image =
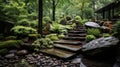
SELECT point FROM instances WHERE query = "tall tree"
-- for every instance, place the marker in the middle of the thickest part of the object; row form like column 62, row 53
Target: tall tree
column 54, row 4
column 40, row 16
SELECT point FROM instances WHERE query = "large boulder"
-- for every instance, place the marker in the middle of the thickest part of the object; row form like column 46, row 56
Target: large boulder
column 92, row 24
column 100, row 46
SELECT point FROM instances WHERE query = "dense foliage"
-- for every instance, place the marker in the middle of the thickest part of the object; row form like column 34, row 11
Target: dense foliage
column 42, row 43
column 93, row 31
column 22, row 30
column 90, row 37
column 116, row 29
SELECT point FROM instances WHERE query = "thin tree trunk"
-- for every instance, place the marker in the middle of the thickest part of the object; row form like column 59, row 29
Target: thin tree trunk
column 54, row 8
column 40, row 15
column 83, row 4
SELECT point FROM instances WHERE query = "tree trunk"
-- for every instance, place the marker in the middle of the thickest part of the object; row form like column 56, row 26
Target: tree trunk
column 54, row 8
column 40, row 15
column 82, row 10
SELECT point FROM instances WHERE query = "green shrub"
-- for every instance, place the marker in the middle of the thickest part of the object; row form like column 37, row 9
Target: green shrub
column 90, row 37
column 10, row 38
column 22, row 30
column 34, row 36
column 34, row 24
column 10, row 44
column 43, row 43
column 3, row 51
column 32, row 16
column 52, row 37
column 77, row 18
column 61, row 36
column 106, row 35
column 24, row 22
column 93, row 31
column 46, row 19
column 58, row 28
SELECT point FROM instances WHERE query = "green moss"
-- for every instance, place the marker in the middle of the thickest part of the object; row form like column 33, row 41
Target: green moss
column 3, row 51
column 10, row 44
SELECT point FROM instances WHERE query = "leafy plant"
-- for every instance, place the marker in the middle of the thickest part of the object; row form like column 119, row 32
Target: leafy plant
column 61, row 36
column 90, row 37
column 53, row 37
column 46, row 19
column 58, row 28
column 106, row 35
column 34, row 36
column 22, row 30
column 43, row 43
column 34, row 24
column 93, row 31
column 116, row 29
column 24, row 22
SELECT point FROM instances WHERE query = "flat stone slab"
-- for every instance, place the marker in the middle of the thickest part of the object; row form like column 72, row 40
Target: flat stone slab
column 76, row 32
column 58, row 53
column 82, row 29
column 68, row 42
column 68, row 47
column 77, row 35
column 74, row 38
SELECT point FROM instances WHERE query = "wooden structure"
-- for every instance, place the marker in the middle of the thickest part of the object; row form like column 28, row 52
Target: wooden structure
column 110, row 11
column 5, row 27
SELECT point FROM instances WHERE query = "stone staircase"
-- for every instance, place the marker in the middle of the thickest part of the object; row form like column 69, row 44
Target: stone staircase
column 68, row 46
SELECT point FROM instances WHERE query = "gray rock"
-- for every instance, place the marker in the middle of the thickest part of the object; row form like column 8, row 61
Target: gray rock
column 92, row 24
column 76, row 60
column 22, row 52
column 12, row 51
column 10, row 56
column 99, row 43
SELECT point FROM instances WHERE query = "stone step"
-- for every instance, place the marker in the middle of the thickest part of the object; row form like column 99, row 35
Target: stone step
column 69, row 47
column 76, row 32
column 68, row 42
column 58, row 53
column 76, row 35
column 75, row 38
column 81, row 29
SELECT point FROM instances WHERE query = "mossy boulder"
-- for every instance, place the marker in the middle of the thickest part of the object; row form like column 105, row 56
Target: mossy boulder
column 10, row 44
